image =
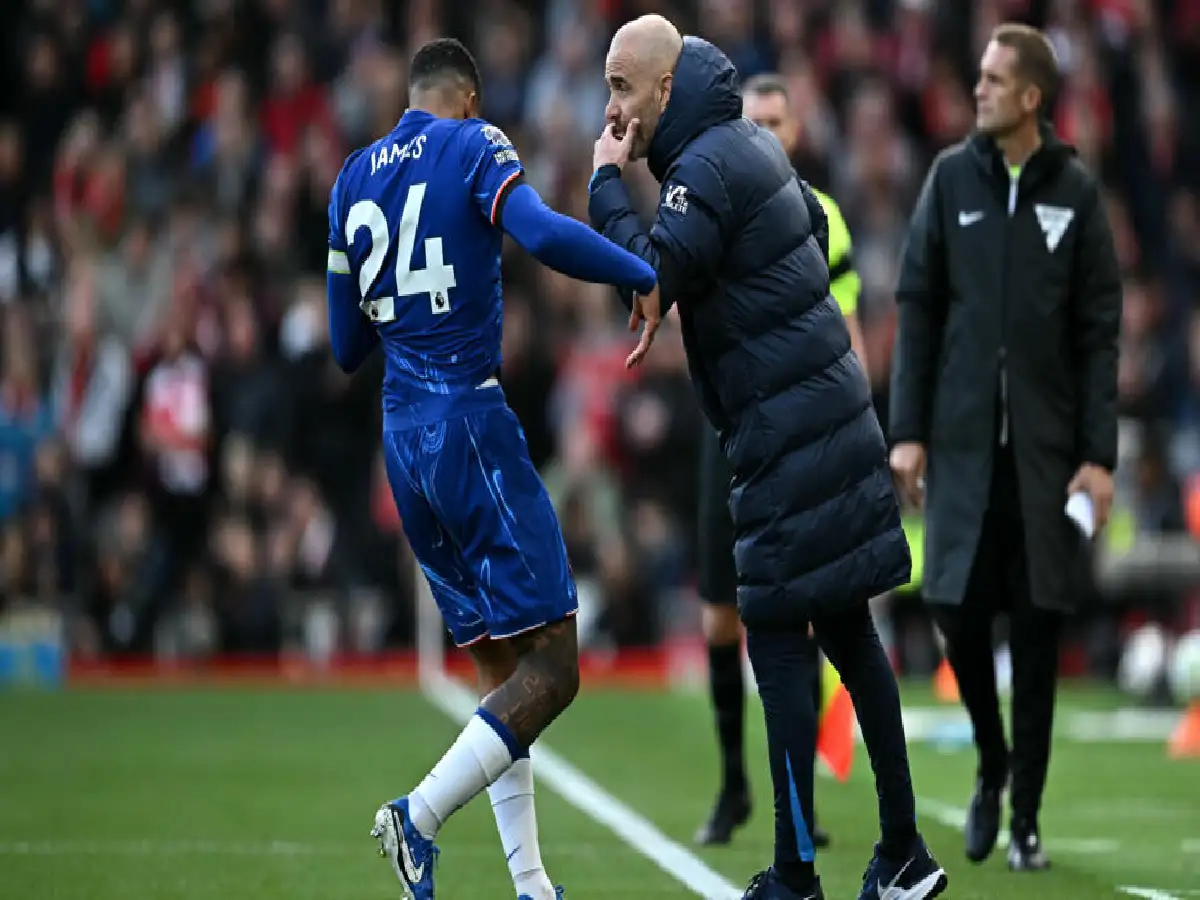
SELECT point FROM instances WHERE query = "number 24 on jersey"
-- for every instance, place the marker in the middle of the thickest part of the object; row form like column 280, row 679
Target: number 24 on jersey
column 435, row 279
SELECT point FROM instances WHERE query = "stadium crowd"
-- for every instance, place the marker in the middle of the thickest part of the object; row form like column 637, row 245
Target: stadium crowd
column 179, row 456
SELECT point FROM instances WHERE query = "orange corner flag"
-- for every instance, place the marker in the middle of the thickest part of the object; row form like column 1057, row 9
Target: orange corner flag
column 835, row 731
column 945, row 685
column 1185, row 741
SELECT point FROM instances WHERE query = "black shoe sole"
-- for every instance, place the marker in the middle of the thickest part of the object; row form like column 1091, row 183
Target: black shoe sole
column 714, row 833
column 974, row 855
column 938, row 888
column 977, row 851
column 1025, row 866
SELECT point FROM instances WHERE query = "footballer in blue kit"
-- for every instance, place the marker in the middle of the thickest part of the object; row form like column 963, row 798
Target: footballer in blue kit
column 416, row 222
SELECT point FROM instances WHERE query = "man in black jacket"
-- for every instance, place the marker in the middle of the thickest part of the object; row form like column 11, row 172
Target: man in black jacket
column 766, row 103
column 1005, row 379
column 816, row 521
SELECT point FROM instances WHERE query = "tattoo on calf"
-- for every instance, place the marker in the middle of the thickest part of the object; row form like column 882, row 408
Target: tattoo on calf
column 544, row 684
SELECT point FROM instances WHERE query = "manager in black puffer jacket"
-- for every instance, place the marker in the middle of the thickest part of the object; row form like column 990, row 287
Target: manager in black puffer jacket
column 816, row 519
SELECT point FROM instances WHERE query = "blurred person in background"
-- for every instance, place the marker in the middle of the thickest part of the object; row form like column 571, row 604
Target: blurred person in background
column 56, row 530
column 1004, row 407
column 14, row 200
column 131, row 577
column 247, row 602
column 93, row 384
column 587, row 494
column 656, row 420
column 174, row 432
column 131, row 284
column 26, row 417
column 16, row 580
column 527, row 374
column 249, row 386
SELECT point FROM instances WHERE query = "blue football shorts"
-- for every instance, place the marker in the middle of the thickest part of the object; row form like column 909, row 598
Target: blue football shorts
column 481, row 525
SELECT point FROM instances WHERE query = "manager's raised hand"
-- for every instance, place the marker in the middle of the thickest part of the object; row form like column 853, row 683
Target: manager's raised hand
column 645, row 309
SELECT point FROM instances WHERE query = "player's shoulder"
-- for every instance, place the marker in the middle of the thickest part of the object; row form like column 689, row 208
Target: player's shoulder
column 351, row 164
column 485, row 130
column 478, row 138
column 346, row 176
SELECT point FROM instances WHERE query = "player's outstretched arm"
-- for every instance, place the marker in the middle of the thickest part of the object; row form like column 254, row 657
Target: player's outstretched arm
column 570, row 247
column 494, row 172
column 351, row 334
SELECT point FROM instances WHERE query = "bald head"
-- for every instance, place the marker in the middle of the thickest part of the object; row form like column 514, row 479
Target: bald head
column 651, row 41
column 639, row 70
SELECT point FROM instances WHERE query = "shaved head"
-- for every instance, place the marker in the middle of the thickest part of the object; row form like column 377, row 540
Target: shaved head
column 651, row 40
column 639, row 70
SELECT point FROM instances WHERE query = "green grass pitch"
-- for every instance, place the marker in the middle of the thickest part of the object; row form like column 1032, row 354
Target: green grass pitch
column 269, row 794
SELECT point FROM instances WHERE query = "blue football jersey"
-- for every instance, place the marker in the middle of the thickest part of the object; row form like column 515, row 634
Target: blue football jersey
column 412, row 218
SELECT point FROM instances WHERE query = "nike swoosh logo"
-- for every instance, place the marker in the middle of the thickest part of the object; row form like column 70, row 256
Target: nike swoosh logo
column 412, row 871
column 891, row 892
column 969, row 218
column 918, row 891
column 516, row 849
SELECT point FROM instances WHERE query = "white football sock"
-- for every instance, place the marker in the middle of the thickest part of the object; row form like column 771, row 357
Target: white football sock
column 512, row 802
column 474, row 761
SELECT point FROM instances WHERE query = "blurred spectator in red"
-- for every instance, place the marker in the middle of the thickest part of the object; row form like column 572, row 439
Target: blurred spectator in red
column 293, row 102
column 175, row 431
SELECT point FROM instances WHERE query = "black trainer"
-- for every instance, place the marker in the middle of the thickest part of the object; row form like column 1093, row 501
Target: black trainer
column 731, row 812
column 916, row 877
column 820, row 837
column 767, row 885
column 1025, row 852
column 983, row 822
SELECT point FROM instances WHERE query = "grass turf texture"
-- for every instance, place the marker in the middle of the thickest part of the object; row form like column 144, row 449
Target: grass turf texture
column 198, row 794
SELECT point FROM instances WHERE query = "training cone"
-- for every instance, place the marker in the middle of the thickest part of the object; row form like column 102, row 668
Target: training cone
column 1185, row 741
column 945, row 685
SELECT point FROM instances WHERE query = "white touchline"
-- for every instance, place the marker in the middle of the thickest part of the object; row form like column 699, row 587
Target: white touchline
column 1148, row 893
column 594, row 802
column 953, row 817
